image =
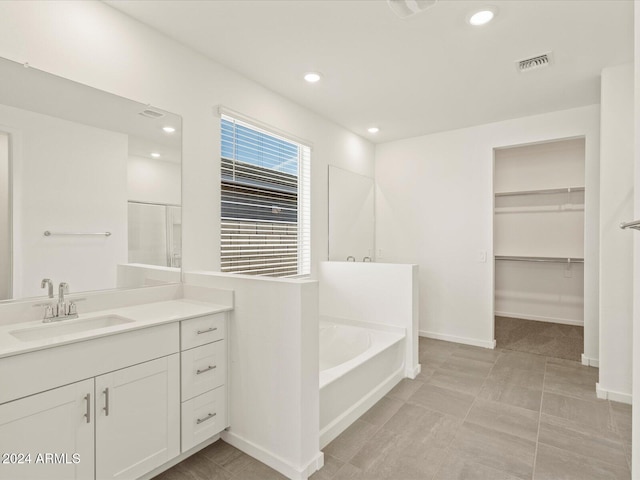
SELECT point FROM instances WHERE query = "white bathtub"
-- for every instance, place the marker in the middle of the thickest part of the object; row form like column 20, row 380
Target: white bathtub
column 358, row 366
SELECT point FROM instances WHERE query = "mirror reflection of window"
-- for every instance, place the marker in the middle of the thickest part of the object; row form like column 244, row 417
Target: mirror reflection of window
column 5, row 219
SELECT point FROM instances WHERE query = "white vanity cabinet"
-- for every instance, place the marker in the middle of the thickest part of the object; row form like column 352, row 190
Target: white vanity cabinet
column 137, row 418
column 58, row 421
column 204, row 378
column 125, row 404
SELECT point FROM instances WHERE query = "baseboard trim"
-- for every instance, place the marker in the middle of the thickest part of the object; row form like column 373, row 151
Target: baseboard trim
column 612, row 395
column 539, row 318
column 412, row 373
column 340, row 424
column 274, row 461
column 590, row 362
column 464, row 340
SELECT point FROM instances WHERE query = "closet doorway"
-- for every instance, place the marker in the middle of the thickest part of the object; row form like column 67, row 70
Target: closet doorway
column 539, row 248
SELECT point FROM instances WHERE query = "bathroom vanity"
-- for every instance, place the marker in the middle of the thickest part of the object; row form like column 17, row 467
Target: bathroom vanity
column 114, row 394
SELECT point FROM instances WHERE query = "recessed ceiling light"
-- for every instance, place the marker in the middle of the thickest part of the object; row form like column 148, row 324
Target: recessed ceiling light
column 312, row 77
column 483, row 16
column 155, row 155
column 169, row 129
column 373, row 129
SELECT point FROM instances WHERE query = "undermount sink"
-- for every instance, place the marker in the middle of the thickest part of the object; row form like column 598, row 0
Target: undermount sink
column 66, row 327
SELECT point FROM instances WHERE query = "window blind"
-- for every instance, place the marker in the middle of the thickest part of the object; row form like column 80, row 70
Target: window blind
column 265, row 209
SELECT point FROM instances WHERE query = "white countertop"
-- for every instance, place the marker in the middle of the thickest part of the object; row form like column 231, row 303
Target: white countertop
column 142, row 316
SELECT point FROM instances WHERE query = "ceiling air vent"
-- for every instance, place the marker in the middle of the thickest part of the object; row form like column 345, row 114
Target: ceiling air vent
column 534, row 63
column 151, row 113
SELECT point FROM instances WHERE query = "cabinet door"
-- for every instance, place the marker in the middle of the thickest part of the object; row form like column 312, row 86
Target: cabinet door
column 55, row 429
column 137, row 418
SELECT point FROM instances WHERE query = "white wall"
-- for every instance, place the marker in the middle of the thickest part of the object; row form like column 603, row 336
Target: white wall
column 635, row 457
column 616, row 245
column 92, row 43
column 434, row 207
column 56, row 163
column 382, row 293
column 5, row 219
column 153, row 181
column 274, row 370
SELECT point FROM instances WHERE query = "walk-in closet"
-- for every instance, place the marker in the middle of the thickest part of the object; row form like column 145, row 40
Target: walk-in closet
column 539, row 247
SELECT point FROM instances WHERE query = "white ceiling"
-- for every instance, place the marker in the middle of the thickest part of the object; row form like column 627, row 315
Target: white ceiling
column 430, row 72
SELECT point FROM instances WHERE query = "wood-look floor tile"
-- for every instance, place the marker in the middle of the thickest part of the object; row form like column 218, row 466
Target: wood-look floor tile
column 256, row 470
column 476, row 353
column 456, row 468
column 577, row 381
column 589, row 413
column 516, row 421
column 425, row 373
column 621, row 414
column 556, row 464
column 347, row 444
column 349, row 472
column 514, row 395
column 423, row 425
column 442, row 400
column 329, row 470
column 506, row 374
column 471, row 367
column 522, row 361
column 405, row 389
column 226, row 456
column 382, row 411
column 456, row 380
column 391, row 456
column 499, row 450
column 588, row 442
column 196, row 467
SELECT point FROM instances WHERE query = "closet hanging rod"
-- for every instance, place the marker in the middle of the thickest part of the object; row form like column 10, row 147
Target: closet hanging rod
column 541, row 259
column 540, row 192
column 635, row 225
column 47, row 233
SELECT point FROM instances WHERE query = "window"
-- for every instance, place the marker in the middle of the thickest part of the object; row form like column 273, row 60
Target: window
column 266, row 225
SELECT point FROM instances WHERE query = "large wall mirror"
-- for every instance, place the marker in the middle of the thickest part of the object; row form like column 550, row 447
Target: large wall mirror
column 90, row 187
column 351, row 216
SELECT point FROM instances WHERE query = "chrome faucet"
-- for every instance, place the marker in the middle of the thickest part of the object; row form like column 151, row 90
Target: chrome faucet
column 366, row 259
column 62, row 304
column 47, row 282
column 62, row 310
column 351, row 258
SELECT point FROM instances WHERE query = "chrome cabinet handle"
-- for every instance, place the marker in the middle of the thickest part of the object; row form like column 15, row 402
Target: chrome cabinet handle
column 87, row 397
column 200, row 420
column 212, row 329
column 106, row 402
column 210, row 367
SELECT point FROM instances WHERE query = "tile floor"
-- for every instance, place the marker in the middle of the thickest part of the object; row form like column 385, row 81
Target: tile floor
column 471, row 414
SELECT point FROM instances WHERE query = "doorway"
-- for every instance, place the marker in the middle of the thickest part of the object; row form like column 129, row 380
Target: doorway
column 539, row 198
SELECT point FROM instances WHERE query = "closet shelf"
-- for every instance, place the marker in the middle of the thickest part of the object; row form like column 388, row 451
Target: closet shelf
column 548, row 191
column 540, row 259
column 568, row 207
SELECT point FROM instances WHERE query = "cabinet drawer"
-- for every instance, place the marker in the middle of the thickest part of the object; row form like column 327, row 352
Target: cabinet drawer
column 203, row 416
column 201, row 330
column 203, row 368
